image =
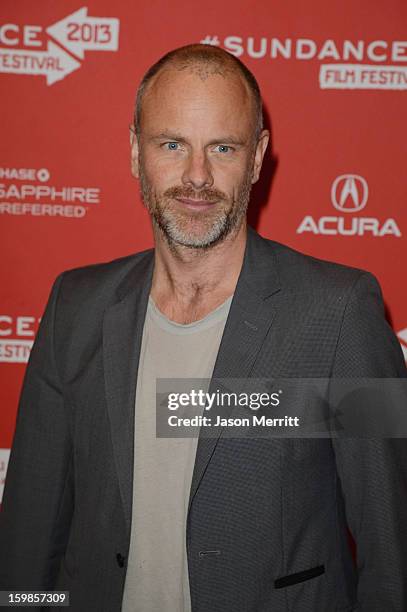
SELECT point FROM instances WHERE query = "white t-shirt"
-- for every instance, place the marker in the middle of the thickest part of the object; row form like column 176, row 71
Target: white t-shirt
column 157, row 569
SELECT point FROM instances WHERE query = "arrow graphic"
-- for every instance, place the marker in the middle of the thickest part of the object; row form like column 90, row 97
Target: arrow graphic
column 53, row 63
column 78, row 32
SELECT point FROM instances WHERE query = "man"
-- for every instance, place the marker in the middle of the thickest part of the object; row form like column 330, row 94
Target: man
column 94, row 502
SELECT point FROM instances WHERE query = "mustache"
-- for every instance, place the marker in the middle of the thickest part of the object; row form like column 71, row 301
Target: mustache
column 188, row 193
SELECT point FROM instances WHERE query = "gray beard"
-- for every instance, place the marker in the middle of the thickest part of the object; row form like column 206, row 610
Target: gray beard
column 174, row 226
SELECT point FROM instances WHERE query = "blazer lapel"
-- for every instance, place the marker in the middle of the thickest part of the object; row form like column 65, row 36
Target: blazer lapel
column 250, row 317
column 122, row 334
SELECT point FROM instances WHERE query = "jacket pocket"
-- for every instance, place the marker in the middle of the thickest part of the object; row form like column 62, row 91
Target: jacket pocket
column 291, row 579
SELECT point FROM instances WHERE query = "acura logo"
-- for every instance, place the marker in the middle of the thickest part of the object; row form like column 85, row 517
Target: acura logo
column 349, row 193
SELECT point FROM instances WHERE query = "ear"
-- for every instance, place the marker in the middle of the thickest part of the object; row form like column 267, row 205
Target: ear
column 134, row 153
column 261, row 147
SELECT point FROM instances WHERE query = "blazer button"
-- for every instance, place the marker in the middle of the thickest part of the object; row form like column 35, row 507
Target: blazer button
column 120, row 560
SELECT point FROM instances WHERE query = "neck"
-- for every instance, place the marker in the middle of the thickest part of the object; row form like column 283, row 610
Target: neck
column 190, row 282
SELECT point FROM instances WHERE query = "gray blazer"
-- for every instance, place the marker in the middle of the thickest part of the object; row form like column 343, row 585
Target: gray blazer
column 275, row 510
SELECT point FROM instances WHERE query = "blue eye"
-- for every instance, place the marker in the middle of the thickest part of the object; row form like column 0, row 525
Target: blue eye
column 223, row 148
column 172, row 146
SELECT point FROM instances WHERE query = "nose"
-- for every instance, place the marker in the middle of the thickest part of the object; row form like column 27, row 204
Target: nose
column 198, row 171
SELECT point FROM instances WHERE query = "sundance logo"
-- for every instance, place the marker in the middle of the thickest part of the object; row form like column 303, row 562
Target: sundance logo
column 382, row 70
column 50, row 52
column 349, row 194
column 16, row 338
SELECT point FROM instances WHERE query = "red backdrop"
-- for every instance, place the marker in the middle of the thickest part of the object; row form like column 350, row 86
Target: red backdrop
column 334, row 80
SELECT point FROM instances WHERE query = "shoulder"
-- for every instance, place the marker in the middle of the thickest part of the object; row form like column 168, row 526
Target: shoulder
column 304, row 273
column 345, row 298
column 102, row 281
column 80, row 296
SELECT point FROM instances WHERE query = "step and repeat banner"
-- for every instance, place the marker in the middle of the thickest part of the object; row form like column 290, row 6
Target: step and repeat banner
column 333, row 77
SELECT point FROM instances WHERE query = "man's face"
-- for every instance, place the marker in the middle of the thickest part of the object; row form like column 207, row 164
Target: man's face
column 196, row 156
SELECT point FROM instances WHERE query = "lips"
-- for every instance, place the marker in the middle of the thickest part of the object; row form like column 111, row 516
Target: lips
column 195, row 204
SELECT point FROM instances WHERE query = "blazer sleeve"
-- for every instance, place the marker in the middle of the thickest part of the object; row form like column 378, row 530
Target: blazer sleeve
column 373, row 471
column 38, row 495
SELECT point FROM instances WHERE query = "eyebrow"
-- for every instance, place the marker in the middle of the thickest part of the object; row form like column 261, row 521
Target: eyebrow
column 177, row 137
